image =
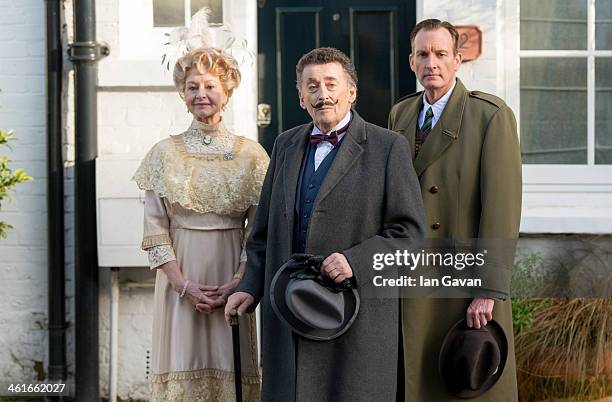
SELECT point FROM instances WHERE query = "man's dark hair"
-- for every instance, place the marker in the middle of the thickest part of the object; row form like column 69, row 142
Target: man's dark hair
column 325, row 55
column 431, row 25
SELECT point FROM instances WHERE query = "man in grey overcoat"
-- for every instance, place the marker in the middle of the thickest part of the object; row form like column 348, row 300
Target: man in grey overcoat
column 368, row 202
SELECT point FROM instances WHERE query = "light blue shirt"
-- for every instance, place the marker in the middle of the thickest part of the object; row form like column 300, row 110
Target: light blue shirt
column 437, row 107
column 324, row 147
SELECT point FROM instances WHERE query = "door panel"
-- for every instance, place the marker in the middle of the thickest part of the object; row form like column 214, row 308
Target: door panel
column 373, row 44
column 297, row 32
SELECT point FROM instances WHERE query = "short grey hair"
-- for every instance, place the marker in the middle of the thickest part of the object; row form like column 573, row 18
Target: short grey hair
column 325, row 55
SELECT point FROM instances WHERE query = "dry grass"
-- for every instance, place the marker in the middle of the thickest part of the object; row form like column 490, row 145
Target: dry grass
column 567, row 351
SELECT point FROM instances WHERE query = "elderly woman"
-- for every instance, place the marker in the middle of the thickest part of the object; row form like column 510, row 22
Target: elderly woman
column 201, row 187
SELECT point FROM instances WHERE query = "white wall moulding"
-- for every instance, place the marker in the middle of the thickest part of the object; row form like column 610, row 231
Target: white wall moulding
column 545, row 214
column 575, row 199
column 568, row 174
column 120, row 212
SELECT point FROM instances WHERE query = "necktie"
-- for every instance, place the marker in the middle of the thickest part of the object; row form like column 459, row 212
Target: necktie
column 428, row 120
column 422, row 133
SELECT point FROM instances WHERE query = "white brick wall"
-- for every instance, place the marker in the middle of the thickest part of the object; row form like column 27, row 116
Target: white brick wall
column 130, row 123
column 23, row 255
column 479, row 74
column 135, row 323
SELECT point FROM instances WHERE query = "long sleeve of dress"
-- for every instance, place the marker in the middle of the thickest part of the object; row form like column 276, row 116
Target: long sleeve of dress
column 156, row 238
column 250, row 217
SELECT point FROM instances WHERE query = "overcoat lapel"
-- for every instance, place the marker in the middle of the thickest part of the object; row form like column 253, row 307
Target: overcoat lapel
column 348, row 153
column 445, row 132
column 291, row 171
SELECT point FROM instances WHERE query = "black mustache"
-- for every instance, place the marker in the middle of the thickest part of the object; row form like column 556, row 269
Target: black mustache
column 319, row 105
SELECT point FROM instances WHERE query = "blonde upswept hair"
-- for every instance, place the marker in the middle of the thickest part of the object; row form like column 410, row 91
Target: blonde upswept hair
column 215, row 61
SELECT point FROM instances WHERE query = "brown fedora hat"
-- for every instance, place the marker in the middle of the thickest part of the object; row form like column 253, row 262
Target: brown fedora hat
column 311, row 308
column 472, row 360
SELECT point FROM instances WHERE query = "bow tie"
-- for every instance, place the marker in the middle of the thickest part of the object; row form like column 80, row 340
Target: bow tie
column 332, row 138
column 315, row 139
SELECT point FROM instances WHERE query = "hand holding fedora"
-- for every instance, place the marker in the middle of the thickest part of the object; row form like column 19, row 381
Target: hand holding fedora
column 312, row 304
column 471, row 361
column 308, row 266
column 337, row 267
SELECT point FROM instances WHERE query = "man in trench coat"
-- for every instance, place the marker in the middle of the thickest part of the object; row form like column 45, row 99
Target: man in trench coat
column 467, row 158
column 369, row 202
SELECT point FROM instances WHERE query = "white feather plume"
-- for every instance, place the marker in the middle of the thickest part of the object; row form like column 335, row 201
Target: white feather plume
column 200, row 35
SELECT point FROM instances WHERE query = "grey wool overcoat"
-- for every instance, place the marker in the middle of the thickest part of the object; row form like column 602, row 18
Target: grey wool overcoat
column 370, row 202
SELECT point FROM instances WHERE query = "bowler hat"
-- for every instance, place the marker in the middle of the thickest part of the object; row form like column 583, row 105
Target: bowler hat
column 472, row 360
column 311, row 304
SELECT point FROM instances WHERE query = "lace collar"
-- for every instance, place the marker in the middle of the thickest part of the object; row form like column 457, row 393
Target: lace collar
column 201, row 128
column 211, row 141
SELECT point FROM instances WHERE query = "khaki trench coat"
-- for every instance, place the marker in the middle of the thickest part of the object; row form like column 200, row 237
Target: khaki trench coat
column 469, row 169
column 369, row 202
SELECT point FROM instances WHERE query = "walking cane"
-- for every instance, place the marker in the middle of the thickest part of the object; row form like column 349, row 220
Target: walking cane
column 236, row 346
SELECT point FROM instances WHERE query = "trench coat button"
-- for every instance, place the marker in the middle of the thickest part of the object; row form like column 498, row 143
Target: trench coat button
column 433, row 189
column 436, row 226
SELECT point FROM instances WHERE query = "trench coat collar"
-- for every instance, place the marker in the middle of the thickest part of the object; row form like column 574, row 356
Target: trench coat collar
column 347, row 155
column 445, row 132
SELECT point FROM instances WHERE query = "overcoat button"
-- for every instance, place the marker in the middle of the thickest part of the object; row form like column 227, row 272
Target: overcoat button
column 435, row 226
column 433, row 189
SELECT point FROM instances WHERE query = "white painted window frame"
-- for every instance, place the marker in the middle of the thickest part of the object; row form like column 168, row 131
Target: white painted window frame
column 590, row 54
column 558, row 198
column 563, row 174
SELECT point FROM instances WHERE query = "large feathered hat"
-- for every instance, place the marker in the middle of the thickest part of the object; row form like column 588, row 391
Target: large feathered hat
column 203, row 34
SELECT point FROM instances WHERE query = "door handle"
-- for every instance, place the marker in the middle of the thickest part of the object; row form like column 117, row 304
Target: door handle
column 264, row 115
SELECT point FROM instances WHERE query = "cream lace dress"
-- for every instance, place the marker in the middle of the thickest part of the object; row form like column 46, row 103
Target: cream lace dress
column 201, row 187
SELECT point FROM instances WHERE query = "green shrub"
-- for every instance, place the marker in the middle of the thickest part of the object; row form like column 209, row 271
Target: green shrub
column 9, row 178
column 527, row 283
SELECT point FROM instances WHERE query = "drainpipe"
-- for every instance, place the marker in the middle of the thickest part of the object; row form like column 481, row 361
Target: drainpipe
column 55, row 197
column 85, row 52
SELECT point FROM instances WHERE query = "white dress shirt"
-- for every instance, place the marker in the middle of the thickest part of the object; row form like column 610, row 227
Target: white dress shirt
column 324, row 147
column 437, row 107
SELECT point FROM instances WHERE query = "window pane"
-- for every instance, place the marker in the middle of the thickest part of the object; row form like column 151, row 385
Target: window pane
column 553, row 24
column 603, row 24
column 554, row 111
column 603, row 106
column 216, row 8
column 168, row 13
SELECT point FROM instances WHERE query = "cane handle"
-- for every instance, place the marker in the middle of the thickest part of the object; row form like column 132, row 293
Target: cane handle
column 233, row 317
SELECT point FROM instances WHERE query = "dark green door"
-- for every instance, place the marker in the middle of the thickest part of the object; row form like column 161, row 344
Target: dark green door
column 374, row 33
